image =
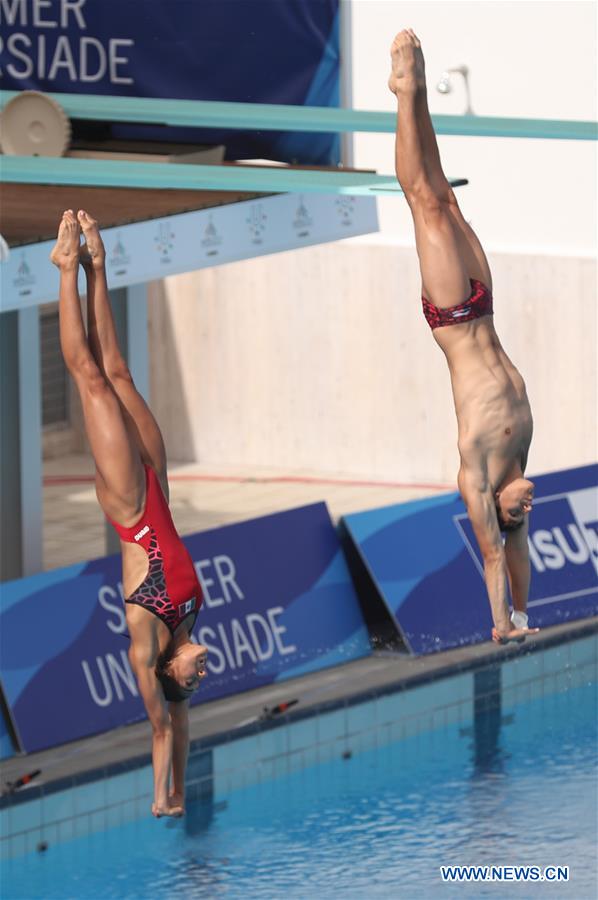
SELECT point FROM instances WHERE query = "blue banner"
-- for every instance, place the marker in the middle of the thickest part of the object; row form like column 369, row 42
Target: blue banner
column 426, row 563
column 278, row 602
column 255, row 51
column 6, row 747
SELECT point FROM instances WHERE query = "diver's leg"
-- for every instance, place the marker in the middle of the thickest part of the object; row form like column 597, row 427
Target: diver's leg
column 469, row 244
column 119, row 474
column 444, row 275
column 448, row 255
column 103, row 343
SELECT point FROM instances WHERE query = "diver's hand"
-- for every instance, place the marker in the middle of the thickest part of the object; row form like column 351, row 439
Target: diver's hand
column 515, row 635
column 167, row 809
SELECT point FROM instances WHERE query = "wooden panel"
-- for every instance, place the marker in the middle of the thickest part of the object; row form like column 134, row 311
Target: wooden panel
column 30, row 212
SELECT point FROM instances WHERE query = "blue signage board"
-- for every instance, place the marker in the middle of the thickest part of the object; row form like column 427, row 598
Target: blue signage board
column 278, row 602
column 254, row 51
column 426, row 564
column 6, row 747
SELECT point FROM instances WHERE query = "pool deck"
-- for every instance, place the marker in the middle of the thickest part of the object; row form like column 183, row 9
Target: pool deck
column 205, row 497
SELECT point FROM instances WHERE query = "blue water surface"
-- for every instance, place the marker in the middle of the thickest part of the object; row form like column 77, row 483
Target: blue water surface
column 518, row 790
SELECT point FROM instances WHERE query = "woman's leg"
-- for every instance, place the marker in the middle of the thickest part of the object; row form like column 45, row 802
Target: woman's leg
column 120, row 479
column 449, row 251
column 103, row 343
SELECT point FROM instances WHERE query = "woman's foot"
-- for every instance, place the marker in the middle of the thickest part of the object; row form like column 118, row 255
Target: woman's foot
column 407, row 73
column 65, row 253
column 92, row 252
column 167, row 810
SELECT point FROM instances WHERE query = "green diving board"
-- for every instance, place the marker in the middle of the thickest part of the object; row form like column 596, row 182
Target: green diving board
column 274, row 117
column 177, row 176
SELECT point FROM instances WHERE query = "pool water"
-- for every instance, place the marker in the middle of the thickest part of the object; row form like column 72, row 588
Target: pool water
column 517, row 788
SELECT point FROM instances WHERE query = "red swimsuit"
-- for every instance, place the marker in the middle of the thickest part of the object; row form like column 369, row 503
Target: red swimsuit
column 171, row 589
column 478, row 304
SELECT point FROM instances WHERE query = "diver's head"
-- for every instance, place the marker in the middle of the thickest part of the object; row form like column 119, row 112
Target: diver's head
column 180, row 670
column 513, row 503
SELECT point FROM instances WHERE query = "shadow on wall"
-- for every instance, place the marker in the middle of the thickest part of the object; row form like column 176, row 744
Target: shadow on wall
column 167, row 390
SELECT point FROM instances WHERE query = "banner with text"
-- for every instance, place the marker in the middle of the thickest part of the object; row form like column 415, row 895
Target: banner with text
column 253, row 51
column 427, row 566
column 278, row 602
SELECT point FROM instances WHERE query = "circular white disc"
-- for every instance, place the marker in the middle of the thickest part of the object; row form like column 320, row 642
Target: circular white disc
column 33, row 124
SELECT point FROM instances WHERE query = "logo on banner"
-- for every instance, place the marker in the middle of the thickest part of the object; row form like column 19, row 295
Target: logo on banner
column 345, row 207
column 211, row 239
column 256, row 222
column 119, row 260
column 25, row 279
column 563, row 546
column 302, row 221
column 164, row 242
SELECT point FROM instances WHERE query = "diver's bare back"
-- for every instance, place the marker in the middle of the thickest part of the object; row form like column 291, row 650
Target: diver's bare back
column 493, row 411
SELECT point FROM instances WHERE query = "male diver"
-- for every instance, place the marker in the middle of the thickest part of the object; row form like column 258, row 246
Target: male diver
column 493, row 412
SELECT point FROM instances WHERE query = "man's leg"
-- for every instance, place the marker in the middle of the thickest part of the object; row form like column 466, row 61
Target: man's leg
column 120, row 481
column 469, row 244
column 450, row 253
column 103, row 343
column 444, row 275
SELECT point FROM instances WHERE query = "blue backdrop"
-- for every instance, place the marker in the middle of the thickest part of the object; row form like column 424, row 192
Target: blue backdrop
column 426, row 564
column 6, row 748
column 257, row 51
column 278, row 603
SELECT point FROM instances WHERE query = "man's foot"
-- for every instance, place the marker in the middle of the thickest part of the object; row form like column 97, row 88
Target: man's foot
column 92, row 252
column 65, row 253
column 515, row 635
column 408, row 72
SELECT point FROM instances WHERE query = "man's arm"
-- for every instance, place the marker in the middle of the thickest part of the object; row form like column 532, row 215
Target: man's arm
column 179, row 717
column 142, row 660
column 481, row 510
column 518, row 565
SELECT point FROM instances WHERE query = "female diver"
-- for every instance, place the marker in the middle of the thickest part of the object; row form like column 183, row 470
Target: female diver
column 163, row 595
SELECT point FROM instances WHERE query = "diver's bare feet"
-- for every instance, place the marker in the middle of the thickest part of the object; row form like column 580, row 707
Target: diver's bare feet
column 92, row 252
column 407, row 73
column 65, row 253
column 515, row 635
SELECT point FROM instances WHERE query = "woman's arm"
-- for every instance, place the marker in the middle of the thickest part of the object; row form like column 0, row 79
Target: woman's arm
column 179, row 717
column 143, row 661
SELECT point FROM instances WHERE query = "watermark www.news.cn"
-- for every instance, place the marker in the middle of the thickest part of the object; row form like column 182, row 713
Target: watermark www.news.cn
column 504, row 873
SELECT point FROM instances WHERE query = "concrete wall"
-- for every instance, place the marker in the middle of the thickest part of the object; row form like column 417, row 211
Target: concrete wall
column 321, row 359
